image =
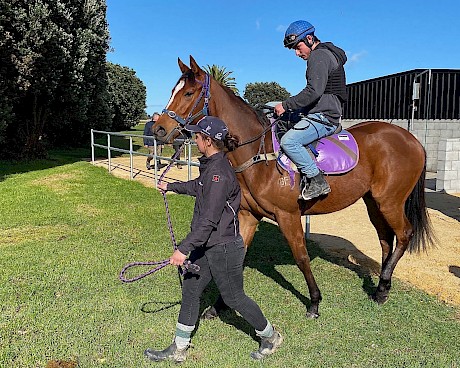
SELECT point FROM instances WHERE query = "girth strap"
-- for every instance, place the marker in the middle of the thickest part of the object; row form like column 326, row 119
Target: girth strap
column 254, row 160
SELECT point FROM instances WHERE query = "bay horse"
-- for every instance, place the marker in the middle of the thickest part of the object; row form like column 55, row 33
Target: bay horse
column 389, row 176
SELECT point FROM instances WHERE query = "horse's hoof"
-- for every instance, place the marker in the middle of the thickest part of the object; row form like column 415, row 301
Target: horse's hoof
column 378, row 298
column 209, row 314
column 312, row 315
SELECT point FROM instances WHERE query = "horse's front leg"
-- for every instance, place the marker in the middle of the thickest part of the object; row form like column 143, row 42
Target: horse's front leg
column 291, row 227
column 248, row 226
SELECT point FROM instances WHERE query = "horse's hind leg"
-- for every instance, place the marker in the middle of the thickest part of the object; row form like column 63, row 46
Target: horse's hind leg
column 384, row 231
column 291, row 228
column 385, row 234
column 390, row 218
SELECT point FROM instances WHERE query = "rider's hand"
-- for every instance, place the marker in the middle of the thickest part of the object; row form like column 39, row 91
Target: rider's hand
column 279, row 109
column 177, row 258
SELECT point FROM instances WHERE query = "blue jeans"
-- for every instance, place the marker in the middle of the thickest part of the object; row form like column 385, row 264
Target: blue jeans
column 305, row 132
column 224, row 264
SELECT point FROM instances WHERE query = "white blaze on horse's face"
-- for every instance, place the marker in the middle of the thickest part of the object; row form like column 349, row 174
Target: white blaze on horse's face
column 179, row 86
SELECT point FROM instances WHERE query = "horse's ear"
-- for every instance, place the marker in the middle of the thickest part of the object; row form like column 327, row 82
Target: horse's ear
column 184, row 68
column 194, row 66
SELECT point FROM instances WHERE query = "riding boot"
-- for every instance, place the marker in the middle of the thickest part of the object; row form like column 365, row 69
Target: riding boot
column 170, row 353
column 268, row 345
column 147, row 165
column 318, row 186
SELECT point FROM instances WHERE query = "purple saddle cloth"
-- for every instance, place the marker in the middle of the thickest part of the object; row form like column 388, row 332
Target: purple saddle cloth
column 335, row 154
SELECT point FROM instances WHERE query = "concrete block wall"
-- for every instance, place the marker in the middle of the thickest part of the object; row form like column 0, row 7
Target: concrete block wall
column 448, row 175
column 428, row 132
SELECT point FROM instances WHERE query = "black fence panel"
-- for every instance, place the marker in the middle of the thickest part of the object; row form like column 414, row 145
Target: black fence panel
column 391, row 97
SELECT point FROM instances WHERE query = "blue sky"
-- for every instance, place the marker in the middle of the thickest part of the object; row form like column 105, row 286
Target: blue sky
column 246, row 37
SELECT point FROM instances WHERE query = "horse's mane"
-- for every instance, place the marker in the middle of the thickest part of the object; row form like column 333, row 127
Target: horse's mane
column 260, row 116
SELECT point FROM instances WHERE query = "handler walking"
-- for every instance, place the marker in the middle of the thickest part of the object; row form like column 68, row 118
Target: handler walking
column 214, row 243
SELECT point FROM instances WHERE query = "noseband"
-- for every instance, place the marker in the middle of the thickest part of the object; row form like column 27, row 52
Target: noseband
column 205, row 93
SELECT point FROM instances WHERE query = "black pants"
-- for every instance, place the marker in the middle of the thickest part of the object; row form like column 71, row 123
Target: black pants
column 224, row 264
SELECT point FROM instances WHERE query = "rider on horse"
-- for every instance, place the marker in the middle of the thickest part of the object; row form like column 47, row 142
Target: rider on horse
column 319, row 103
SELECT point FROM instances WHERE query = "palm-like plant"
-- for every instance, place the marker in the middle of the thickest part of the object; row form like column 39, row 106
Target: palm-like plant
column 221, row 75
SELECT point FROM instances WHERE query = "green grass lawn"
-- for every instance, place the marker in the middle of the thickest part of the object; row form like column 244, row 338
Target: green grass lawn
column 66, row 230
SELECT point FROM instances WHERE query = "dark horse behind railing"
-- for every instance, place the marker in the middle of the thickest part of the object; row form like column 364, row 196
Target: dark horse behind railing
column 389, row 177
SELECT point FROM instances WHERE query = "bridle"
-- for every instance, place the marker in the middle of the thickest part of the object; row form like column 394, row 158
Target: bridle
column 204, row 94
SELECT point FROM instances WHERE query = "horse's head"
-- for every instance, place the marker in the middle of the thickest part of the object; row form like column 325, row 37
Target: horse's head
column 188, row 102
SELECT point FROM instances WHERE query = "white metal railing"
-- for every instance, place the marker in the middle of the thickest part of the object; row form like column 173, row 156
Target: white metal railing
column 188, row 161
column 187, row 149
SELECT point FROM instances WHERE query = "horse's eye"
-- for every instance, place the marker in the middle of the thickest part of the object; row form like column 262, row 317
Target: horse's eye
column 188, row 94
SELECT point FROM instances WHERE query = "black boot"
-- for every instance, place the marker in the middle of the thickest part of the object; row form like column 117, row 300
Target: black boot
column 170, row 353
column 147, row 165
column 318, row 186
column 268, row 345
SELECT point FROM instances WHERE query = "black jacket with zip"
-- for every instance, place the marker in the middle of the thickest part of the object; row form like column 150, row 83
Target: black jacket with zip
column 217, row 201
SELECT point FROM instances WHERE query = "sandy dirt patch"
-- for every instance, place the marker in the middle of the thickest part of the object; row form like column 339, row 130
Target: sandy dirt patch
column 349, row 235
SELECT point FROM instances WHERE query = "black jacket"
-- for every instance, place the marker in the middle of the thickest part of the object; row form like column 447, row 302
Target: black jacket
column 218, row 197
column 148, row 131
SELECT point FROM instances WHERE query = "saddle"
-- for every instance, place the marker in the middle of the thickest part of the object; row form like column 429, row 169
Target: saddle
column 334, row 155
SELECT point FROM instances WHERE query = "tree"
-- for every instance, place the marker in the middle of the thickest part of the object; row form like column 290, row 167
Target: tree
column 259, row 93
column 53, row 61
column 221, row 75
column 127, row 96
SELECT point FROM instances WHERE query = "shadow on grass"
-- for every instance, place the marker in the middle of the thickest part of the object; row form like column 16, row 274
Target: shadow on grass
column 158, row 306
column 59, row 157
column 55, row 158
column 269, row 249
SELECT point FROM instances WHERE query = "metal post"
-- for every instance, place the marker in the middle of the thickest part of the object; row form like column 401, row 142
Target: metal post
column 188, row 146
column 305, row 220
column 131, row 157
column 415, row 96
column 155, row 171
column 307, row 226
column 428, row 108
column 92, row 146
column 109, row 153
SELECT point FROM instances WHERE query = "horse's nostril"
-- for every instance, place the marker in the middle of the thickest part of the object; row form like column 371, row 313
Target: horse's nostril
column 159, row 131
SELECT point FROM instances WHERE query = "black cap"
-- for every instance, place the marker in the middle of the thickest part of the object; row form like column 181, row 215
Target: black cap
column 211, row 126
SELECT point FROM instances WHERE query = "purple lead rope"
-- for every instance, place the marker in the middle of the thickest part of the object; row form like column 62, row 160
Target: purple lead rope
column 188, row 265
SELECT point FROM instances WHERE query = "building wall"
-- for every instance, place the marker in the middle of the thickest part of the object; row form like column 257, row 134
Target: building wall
column 428, row 132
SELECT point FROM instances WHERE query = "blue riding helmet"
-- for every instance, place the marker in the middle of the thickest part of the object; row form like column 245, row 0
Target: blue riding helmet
column 296, row 32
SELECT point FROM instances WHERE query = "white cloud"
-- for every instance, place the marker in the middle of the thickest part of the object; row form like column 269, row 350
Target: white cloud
column 281, row 28
column 356, row 57
column 257, row 24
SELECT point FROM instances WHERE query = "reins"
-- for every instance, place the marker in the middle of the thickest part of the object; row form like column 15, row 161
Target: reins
column 262, row 154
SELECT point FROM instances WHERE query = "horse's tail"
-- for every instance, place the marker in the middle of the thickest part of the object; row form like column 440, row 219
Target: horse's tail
column 417, row 214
